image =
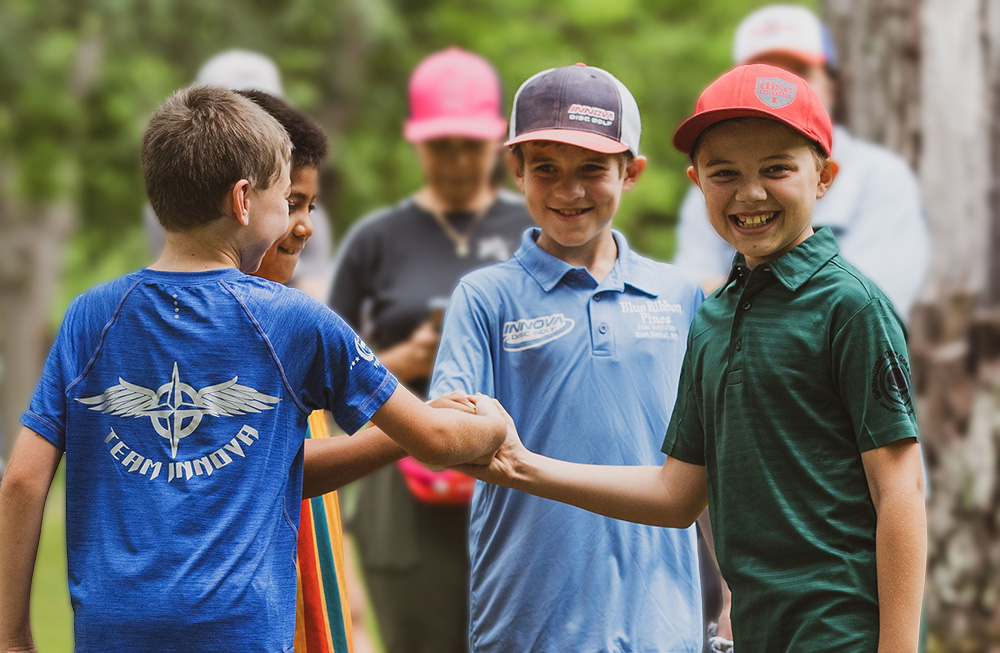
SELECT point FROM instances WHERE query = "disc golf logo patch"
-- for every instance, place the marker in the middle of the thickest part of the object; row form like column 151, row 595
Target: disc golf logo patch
column 774, row 92
column 891, row 383
column 593, row 115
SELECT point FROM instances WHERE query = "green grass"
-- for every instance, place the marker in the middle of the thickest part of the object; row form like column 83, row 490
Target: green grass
column 51, row 615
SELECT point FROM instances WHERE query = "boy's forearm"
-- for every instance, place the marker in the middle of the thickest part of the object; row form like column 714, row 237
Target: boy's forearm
column 22, row 502
column 440, row 436
column 672, row 496
column 901, row 558
column 331, row 463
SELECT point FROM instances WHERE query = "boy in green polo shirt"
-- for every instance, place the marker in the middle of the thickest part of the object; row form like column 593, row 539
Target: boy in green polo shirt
column 794, row 420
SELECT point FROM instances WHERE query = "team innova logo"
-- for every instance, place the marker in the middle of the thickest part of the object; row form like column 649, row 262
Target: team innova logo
column 177, row 408
column 890, row 383
column 535, row 331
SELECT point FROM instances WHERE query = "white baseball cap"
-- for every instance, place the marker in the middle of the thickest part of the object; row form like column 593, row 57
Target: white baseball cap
column 241, row 70
column 783, row 29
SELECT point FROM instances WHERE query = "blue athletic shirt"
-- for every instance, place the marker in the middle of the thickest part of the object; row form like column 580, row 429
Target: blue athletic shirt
column 181, row 400
column 589, row 373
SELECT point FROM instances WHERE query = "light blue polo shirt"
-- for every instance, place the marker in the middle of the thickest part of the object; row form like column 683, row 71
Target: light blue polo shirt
column 589, row 373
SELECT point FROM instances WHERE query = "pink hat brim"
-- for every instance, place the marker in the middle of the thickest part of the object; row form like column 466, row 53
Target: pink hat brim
column 483, row 128
column 586, row 140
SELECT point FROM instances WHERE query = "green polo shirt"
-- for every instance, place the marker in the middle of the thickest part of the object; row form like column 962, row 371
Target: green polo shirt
column 792, row 370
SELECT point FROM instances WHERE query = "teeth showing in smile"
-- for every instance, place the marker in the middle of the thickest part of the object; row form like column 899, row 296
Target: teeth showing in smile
column 751, row 221
column 569, row 212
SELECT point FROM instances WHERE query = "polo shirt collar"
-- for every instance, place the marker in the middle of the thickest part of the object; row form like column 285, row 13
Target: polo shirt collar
column 548, row 270
column 794, row 268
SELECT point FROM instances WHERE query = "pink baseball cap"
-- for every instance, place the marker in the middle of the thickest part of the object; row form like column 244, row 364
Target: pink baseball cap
column 454, row 93
column 759, row 91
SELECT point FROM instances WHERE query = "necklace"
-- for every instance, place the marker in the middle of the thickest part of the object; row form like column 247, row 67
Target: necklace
column 459, row 239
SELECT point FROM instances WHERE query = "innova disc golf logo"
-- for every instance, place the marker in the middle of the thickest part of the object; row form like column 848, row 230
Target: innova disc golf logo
column 535, row 331
column 774, row 92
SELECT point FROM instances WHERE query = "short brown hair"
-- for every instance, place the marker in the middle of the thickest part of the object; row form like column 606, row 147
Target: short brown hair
column 625, row 158
column 198, row 144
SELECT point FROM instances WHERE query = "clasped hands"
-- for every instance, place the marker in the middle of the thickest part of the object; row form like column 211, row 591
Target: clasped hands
column 494, row 468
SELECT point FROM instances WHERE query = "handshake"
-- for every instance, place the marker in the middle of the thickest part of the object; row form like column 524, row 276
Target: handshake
column 496, row 427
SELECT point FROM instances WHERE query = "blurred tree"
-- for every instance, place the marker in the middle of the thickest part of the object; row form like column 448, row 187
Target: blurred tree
column 924, row 78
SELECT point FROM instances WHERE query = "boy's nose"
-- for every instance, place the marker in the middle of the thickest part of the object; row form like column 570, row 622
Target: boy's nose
column 751, row 190
column 569, row 188
column 303, row 226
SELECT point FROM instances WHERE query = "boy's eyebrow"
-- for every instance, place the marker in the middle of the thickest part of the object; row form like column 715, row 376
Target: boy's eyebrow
column 783, row 156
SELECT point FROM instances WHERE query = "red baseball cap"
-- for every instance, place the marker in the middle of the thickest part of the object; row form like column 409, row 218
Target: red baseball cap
column 759, row 91
column 454, row 93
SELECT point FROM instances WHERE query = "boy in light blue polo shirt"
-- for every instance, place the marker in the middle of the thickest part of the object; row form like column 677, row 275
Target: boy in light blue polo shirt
column 581, row 340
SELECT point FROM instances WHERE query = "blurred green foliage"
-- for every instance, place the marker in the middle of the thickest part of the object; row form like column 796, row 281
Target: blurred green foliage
column 80, row 80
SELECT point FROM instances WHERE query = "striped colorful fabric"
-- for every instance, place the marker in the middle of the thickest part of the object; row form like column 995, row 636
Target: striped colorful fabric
column 322, row 612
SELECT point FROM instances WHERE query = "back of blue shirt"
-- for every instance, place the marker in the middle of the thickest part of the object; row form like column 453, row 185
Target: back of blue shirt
column 181, row 400
column 589, row 372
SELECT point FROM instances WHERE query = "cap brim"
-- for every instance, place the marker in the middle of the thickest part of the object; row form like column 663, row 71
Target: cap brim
column 811, row 58
column 586, row 140
column 485, row 128
column 689, row 131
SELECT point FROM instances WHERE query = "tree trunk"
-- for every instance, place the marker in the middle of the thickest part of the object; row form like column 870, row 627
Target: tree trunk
column 923, row 78
column 32, row 241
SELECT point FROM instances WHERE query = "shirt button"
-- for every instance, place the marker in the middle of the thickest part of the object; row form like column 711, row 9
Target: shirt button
column 746, row 306
column 597, row 297
column 739, row 345
column 603, row 328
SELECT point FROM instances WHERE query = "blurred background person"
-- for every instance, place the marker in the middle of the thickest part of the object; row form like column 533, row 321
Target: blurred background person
column 874, row 207
column 394, row 270
column 244, row 70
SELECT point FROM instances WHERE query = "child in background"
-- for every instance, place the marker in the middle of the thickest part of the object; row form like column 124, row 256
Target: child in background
column 582, row 339
column 794, row 420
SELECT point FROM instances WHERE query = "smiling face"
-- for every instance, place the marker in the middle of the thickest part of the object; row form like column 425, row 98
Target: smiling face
column 760, row 181
column 573, row 194
column 279, row 261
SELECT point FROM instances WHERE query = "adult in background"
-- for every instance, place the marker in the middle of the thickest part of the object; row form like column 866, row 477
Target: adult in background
column 244, row 70
column 393, row 269
column 873, row 209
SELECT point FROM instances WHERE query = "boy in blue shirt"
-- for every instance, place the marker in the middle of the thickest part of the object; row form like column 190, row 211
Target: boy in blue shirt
column 582, row 340
column 180, row 394
column 794, row 420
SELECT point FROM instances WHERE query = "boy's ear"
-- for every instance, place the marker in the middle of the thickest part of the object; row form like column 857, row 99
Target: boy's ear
column 826, row 177
column 633, row 171
column 692, row 173
column 238, row 202
column 515, row 171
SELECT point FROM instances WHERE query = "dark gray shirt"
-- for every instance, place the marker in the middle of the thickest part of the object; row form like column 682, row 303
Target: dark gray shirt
column 394, row 263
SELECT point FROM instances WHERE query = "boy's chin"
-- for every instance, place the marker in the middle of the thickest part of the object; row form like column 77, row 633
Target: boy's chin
column 272, row 270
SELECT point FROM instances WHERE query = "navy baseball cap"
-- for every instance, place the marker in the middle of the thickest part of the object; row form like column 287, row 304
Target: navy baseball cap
column 579, row 105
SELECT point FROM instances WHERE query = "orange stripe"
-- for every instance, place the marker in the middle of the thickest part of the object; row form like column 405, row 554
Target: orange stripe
column 313, row 605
